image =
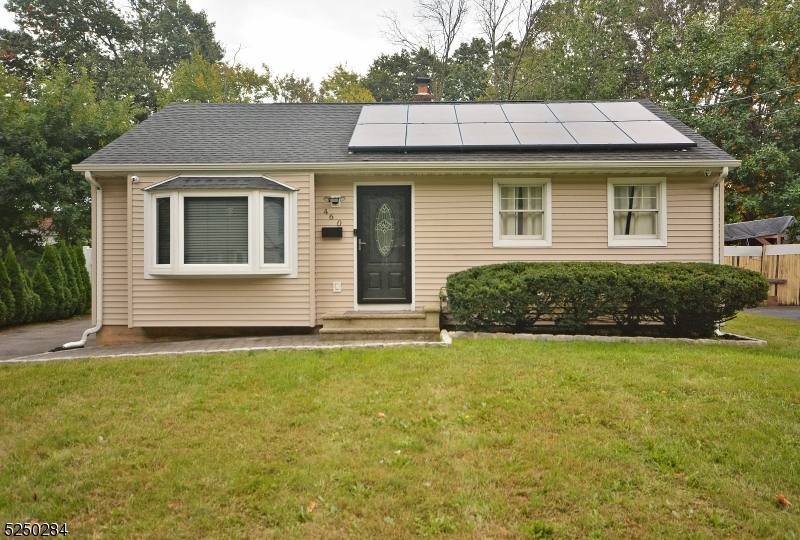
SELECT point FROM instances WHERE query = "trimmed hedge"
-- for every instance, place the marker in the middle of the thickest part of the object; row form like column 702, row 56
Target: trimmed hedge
column 60, row 287
column 690, row 299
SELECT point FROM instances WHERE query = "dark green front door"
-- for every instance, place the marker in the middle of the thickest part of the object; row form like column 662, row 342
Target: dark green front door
column 383, row 244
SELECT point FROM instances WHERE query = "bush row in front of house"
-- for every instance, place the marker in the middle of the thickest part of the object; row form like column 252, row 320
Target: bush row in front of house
column 690, row 299
column 58, row 288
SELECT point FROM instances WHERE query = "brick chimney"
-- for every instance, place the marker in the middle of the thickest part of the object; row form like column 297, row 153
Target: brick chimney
column 423, row 93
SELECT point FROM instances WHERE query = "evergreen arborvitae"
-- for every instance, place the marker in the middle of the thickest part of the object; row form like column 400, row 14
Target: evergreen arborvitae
column 36, row 301
column 6, row 296
column 70, row 275
column 54, row 270
column 23, row 297
column 50, row 309
column 84, row 279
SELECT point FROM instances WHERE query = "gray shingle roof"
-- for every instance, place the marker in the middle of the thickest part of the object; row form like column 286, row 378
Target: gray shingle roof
column 287, row 133
column 219, row 182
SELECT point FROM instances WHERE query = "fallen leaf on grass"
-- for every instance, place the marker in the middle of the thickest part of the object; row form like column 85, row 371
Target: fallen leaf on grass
column 381, row 415
column 312, row 506
column 782, row 500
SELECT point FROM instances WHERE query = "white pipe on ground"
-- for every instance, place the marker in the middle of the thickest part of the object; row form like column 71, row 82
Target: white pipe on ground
column 98, row 255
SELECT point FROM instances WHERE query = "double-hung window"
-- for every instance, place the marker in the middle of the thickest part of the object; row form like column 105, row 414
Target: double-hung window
column 637, row 212
column 522, row 213
column 220, row 226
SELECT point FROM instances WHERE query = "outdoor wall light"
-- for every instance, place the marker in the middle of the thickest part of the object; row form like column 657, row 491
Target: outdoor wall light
column 335, row 200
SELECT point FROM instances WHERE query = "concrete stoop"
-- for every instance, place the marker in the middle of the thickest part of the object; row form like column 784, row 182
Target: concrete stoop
column 421, row 325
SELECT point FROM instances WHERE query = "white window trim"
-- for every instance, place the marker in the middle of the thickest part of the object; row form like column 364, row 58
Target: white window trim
column 661, row 222
column 255, row 266
column 547, row 222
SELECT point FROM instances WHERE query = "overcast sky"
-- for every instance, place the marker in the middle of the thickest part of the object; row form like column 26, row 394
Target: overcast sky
column 308, row 37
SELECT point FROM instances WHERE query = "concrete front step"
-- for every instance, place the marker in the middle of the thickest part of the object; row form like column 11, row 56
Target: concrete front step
column 382, row 319
column 382, row 334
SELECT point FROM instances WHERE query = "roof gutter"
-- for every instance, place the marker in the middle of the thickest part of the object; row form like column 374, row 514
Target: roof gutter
column 97, row 253
column 472, row 167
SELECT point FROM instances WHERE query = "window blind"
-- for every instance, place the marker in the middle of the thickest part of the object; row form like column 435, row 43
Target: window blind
column 162, row 230
column 274, row 237
column 215, row 230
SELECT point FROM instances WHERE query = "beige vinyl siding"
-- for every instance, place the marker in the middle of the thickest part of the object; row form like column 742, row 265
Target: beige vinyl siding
column 220, row 301
column 454, row 229
column 334, row 255
column 115, row 250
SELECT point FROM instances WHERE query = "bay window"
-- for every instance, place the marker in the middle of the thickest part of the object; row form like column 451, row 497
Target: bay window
column 230, row 226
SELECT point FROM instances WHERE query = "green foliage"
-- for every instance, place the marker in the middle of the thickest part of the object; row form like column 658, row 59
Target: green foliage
column 49, row 309
column 198, row 80
column 6, row 296
column 129, row 53
column 293, row 89
column 392, row 77
column 344, row 86
column 84, row 279
column 467, row 75
column 690, row 299
column 71, row 278
column 40, row 138
column 26, row 302
column 720, row 66
column 53, row 268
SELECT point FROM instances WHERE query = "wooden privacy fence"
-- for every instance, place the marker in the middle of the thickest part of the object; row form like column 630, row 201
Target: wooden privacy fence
column 780, row 264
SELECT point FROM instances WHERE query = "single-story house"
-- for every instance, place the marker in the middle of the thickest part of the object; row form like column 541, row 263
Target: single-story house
column 258, row 217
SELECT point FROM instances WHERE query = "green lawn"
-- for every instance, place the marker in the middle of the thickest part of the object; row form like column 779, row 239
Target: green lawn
column 487, row 438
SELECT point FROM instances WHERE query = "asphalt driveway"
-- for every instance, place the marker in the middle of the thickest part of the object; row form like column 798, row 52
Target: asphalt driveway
column 782, row 312
column 39, row 338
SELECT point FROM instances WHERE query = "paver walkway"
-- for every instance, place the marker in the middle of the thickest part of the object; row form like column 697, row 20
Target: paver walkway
column 40, row 338
column 262, row 343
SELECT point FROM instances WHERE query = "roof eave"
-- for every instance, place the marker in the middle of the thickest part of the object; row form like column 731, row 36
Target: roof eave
column 472, row 167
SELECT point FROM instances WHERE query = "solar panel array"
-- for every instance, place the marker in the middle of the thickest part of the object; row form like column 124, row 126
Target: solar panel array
column 512, row 126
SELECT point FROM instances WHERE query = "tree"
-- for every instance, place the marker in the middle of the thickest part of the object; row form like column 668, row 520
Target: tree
column 392, row 77
column 439, row 22
column 61, row 123
column 467, row 78
column 344, row 86
column 84, row 279
column 198, row 80
column 25, row 300
column 53, row 268
column 7, row 303
column 48, row 299
column 71, row 280
column 726, row 78
column 292, row 89
column 129, row 53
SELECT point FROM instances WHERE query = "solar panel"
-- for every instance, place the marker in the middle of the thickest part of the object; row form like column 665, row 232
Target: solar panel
column 432, row 114
column 528, row 112
column 653, row 133
column 577, row 112
column 488, row 135
column 377, row 136
column 480, row 112
column 623, row 111
column 512, row 126
column 383, row 114
column 432, row 135
column 543, row 134
column 597, row 134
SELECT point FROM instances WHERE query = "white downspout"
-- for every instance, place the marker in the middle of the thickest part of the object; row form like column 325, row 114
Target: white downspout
column 717, row 202
column 98, row 255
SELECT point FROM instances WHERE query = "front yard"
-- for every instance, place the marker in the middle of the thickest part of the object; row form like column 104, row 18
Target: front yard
column 487, row 438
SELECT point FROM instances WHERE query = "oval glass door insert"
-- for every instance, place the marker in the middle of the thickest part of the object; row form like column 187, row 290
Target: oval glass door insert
column 384, row 230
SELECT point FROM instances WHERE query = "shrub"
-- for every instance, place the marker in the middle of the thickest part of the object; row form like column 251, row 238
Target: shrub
column 6, row 296
column 84, row 280
column 75, row 301
column 53, row 268
column 690, row 299
column 25, row 300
